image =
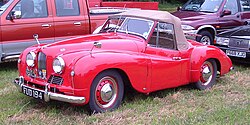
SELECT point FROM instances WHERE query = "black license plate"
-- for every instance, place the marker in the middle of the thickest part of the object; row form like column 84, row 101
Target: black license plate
column 33, row 92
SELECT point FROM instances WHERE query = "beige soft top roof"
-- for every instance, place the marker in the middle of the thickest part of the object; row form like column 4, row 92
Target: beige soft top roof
column 161, row 16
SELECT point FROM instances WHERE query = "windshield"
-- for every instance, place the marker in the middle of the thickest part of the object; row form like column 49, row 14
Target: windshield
column 4, row 4
column 202, row 5
column 136, row 26
column 112, row 24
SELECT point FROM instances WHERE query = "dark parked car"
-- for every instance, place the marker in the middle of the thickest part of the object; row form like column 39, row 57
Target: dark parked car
column 210, row 17
column 235, row 42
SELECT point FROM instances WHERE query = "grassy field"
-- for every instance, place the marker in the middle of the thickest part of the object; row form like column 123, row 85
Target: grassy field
column 228, row 102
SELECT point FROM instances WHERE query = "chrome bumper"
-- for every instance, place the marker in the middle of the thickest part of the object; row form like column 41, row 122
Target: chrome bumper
column 231, row 68
column 19, row 83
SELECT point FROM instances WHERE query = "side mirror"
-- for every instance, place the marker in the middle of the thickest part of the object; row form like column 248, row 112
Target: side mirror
column 226, row 12
column 14, row 15
column 178, row 8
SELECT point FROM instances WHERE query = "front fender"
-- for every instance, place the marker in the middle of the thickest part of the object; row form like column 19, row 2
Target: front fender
column 88, row 67
column 202, row 53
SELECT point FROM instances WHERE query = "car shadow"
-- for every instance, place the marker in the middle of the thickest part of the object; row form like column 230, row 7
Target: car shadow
column 8, row 65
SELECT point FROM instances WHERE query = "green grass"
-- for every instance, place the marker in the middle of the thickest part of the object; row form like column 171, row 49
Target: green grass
column 169, row 7
column 228, row 102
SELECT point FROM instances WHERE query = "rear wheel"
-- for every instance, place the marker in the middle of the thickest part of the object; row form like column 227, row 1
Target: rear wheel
column 208, row 72
column 106, row 92
column 206, row 38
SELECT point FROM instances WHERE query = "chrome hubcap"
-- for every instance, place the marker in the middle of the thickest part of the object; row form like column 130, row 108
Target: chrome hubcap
column 205, row 40
column 106, row 92
column 206, row 73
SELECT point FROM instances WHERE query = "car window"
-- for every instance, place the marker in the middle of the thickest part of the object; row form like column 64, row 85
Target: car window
column 202, row 5
column 4, row 4
column 30, row 9
column 245, row 5
column 67, row 8
column 232, row 6
column 141, row 27
column 163, row 36
column 112, row 24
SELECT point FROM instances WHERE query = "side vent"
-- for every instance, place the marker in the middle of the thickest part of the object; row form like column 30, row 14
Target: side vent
column 55, row 80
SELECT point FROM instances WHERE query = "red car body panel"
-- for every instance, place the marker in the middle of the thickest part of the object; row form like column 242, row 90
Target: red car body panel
column 127, row 56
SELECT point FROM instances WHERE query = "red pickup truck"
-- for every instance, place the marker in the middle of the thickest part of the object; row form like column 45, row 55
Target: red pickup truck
column 53, row 20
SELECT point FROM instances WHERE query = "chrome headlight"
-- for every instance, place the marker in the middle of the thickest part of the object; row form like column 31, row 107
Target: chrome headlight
column 58, row 65
column 187, row 27
column 222, row 41
column 30, row 59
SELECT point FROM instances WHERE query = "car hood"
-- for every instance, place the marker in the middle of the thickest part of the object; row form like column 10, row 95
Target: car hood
column 191, row 15
column 238, row 32
column 108, row 41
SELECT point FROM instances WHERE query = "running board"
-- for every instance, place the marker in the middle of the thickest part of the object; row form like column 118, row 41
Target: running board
column 10, row 58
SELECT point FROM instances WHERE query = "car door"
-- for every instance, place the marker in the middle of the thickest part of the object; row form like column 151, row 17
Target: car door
column 166, row 62
column 20, row 23
column 228, row 21
column 245, row 10
column 70, row 18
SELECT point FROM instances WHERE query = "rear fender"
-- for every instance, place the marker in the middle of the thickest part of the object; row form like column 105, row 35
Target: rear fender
column 201, row 54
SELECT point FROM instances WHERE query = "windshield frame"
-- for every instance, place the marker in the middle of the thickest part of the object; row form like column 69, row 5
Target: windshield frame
column 198, row 10
column 5, row 6
column 134, row 33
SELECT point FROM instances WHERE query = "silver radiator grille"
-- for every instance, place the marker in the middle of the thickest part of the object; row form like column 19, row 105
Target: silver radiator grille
column 239, row 43
column 42, row 65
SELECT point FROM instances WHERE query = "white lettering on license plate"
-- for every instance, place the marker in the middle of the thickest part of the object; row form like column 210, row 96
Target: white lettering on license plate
column 33, row 93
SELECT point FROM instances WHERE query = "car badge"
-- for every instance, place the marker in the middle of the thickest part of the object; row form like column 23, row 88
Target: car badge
column 43, row 74
column 238, row 43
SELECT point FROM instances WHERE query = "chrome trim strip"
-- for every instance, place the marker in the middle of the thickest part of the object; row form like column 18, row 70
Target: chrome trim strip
column 19, row 83
column 11, row 57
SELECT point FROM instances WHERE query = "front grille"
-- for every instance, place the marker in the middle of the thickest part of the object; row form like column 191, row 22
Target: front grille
column 42, row 65
column 55, row 80
column 239, row 43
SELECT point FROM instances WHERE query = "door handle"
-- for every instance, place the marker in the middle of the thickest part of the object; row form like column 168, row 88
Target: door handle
column 176, row 58
column 77, row 23
column 238, row 16
column 46, row 25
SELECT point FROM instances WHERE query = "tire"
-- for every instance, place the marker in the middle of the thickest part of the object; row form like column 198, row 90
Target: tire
column 106, row 92
column 208, row 74
column 206, row 38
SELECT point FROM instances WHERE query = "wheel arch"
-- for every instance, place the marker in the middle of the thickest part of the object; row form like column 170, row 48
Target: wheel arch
column 197, row 60
column 208, row 28
column 122, row 73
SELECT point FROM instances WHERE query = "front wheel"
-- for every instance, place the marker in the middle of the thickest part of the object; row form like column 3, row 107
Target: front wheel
column 106, row 92
column 206, row 38
column 208, row 72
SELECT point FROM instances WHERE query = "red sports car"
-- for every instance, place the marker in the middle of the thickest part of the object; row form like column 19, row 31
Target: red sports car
column 144, row 48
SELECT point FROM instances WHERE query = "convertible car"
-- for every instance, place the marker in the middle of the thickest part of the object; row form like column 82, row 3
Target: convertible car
column 142, row 48
column 235, row 42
